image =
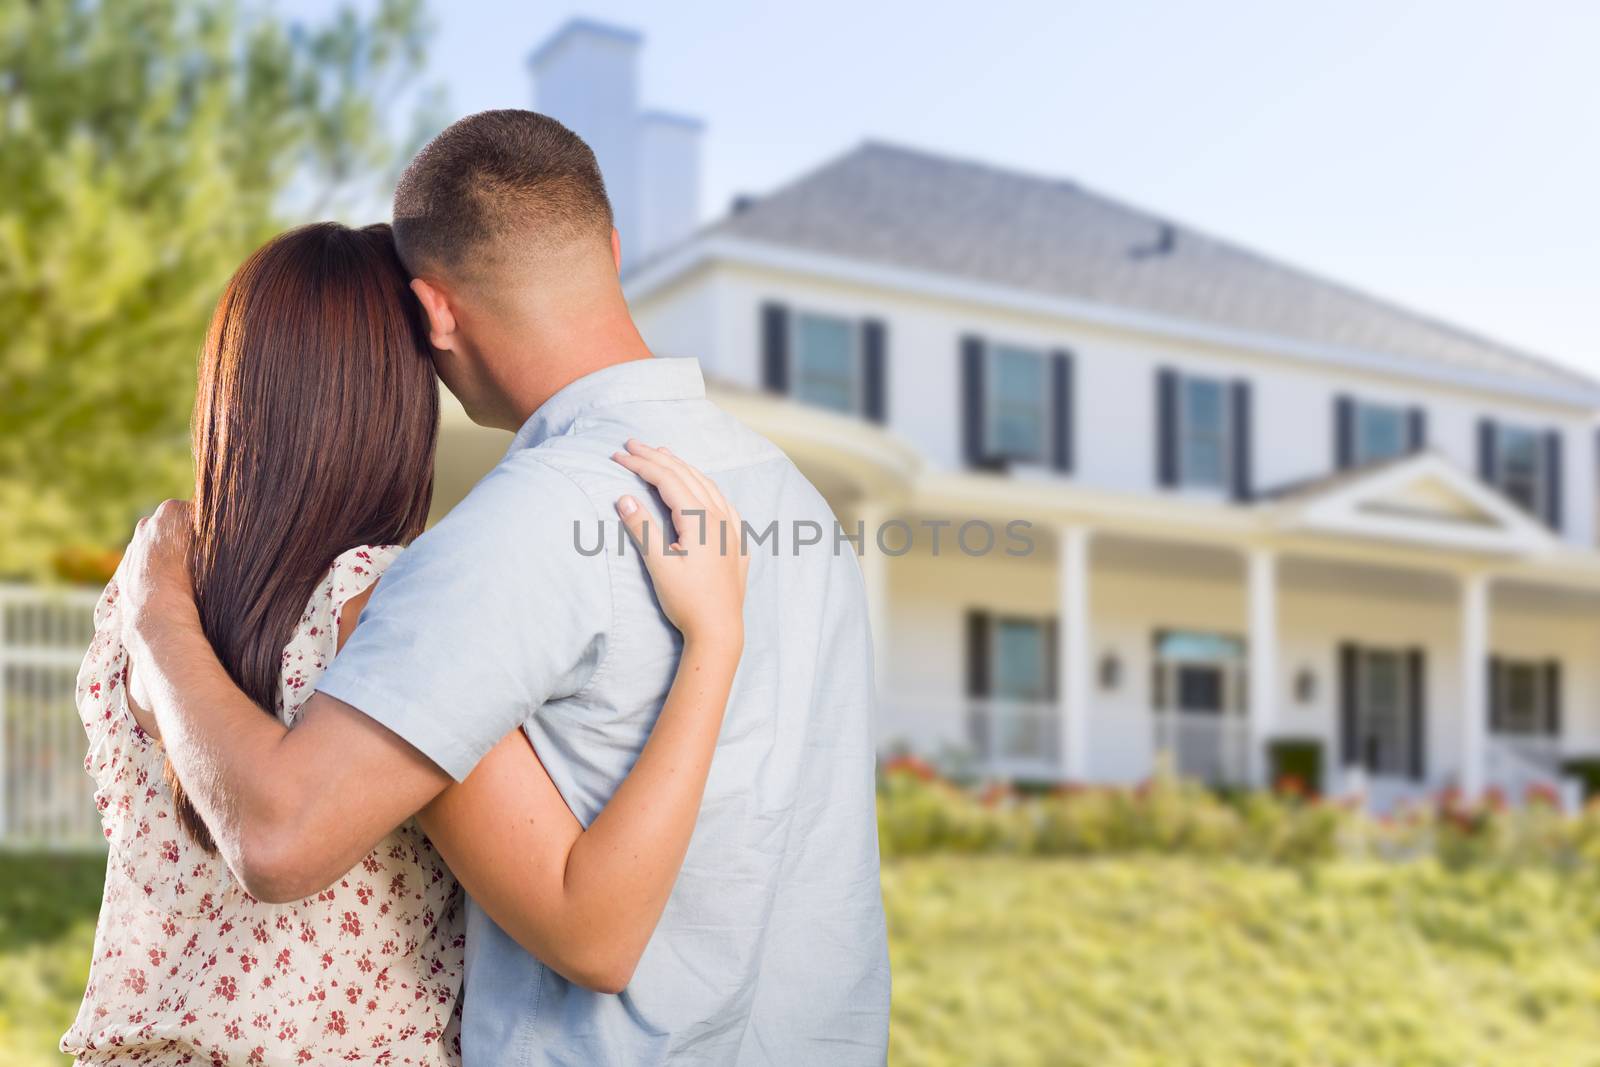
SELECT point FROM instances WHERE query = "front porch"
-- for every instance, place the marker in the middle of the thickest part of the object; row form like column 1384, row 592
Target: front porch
column 1420, row 635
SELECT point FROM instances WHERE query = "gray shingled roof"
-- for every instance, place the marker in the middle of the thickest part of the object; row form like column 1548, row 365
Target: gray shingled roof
column 907, row 208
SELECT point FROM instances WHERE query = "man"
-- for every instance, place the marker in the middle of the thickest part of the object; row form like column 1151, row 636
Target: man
column 772, row 946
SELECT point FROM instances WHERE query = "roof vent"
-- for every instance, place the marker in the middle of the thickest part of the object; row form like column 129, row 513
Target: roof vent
column 1165, row 243
column 742, row 202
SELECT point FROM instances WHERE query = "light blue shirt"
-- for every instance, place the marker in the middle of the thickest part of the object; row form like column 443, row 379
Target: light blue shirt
column 772, row 947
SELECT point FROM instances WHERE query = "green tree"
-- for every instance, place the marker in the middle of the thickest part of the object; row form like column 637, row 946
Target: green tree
column 146, row 147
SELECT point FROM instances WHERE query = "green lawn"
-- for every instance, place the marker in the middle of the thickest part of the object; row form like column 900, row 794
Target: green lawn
column 1112, row 962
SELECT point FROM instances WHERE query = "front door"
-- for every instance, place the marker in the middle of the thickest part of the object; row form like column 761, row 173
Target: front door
column 1382, row 728
column 1384, row 746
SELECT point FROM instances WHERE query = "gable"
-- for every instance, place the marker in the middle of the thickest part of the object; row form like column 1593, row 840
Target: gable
column 1422, row 500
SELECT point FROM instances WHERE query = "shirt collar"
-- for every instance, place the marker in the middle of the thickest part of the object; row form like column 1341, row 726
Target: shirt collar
column 622, row 383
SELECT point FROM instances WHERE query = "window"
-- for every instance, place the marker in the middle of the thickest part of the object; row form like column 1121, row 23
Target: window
column 1381, row 431
column 1524, row 703
column 1383, row 733
column 1018, row 417
column 1519, row 467
column 826, row 362
column 1020, row 659
column 1203, row 433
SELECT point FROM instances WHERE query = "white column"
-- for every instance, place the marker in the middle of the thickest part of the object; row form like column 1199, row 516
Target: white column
column 1262, row 580
column 1073, row 655
column 875, row 575
column 1474, row 687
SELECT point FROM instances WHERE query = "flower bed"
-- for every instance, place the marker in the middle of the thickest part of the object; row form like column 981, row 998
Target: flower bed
column 921, row 813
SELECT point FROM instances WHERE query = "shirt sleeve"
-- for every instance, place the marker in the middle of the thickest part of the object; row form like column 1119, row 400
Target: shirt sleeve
column 484, row 619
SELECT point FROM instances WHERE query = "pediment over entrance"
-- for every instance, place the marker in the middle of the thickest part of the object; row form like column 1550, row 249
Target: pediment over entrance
column 1419, row 500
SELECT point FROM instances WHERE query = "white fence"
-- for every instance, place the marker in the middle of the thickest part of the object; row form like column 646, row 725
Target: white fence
column 46, row 800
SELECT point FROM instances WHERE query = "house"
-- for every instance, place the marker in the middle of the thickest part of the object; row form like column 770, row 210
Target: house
column 1125, row 488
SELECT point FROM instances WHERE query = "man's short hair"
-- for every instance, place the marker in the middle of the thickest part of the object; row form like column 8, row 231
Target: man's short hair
column 494, row 190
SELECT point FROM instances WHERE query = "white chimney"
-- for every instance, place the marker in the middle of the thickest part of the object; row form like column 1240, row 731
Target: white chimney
column 669, row 187
column 587, row 76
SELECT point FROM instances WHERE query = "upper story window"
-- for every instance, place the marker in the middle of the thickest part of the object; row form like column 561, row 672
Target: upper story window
column 1524, row 463
column 1203, row 428
column 1380, row 432
column 826, row 368
column 1204, row 423
column 1520, row 467
column 1018, row 420
column 1369, row 432
column 828, row 361
column 1016, row 404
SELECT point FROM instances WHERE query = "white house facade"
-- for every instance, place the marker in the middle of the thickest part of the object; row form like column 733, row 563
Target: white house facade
column 1235, row 513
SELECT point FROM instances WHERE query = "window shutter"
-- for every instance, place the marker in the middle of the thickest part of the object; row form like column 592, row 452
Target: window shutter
column 1487, row 461
column 775, row 348
column 1417, row 428
column 1496, row 701
column 1349, row 697
column 1052, row 666
column 1167, row 428
column 1061, row 383
column 874, row 370
column 977, row 653
column 1416, row 669
column 972, row 400
column 1344, row 433
column 1552, row 696
column 1552, row 479
column 1243, row 481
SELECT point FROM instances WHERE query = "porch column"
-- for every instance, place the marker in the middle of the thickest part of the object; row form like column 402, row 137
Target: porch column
column 1073, row 655
column 1474, row 689
column 875, row 576
column 1262, row 580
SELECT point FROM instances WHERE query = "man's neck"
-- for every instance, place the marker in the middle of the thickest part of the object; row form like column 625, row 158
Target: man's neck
column 555, row 357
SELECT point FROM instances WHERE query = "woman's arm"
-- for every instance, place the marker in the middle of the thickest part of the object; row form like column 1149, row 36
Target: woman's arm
column 585, row 902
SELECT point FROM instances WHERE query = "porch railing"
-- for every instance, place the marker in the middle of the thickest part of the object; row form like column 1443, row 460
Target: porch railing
column 1016, row 738
column 1516, row 764
column 45, row 798
column 1211, row 748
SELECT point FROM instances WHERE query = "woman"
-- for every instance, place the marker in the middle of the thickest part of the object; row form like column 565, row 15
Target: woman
column 314, row 435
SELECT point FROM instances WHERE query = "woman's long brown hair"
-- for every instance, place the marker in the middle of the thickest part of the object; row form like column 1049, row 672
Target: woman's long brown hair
column 314, row 432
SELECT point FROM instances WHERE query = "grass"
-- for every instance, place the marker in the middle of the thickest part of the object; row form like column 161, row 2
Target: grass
column 47, row 909
column 1116, row 962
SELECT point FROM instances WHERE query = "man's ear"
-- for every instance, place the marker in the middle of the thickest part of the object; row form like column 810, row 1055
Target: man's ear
column 616, row 249
column 441, row 319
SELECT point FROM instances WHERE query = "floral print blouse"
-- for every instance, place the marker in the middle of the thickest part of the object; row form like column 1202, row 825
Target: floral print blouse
column 190, row 969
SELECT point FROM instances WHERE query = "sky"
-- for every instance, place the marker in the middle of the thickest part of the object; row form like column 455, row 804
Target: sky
column 1444, row 155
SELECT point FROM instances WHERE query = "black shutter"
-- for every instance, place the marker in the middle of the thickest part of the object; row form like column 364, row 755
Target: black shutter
column 1344, row 433
column 1417, row 429
column 1496, row 701
column 1488, row 463
column 874, row 370
column 972, row 400
column 775, row 347
column 1052, row 666
column 1552, row 696
column 977, row 653
column 1243, row 480
column 1552, row 479
column 1061, row 383
column 1349, row 699
column 1416, row 669
column 1167, row 428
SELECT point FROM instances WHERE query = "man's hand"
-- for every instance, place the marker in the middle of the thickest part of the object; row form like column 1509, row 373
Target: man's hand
column 156, row 585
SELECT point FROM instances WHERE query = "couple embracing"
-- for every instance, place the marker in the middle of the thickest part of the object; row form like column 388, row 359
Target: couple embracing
column 379, row 796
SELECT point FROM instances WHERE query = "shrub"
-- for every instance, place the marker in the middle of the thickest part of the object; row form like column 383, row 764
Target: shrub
column 920, row 813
